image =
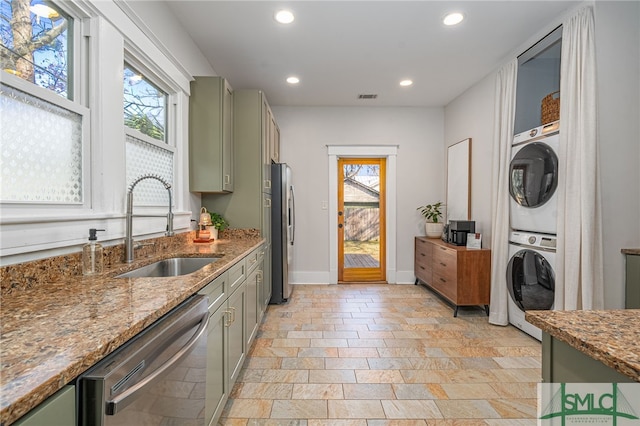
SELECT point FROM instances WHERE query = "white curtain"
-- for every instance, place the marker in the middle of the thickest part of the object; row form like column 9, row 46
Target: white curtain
column 579, row 275
column 505, row 107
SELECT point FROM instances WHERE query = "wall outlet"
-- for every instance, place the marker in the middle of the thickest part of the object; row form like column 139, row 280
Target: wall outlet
column 324, row 205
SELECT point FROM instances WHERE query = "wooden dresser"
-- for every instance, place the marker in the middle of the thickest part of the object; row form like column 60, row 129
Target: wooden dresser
column 460, row 275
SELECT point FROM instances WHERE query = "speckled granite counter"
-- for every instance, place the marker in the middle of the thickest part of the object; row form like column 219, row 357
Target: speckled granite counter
column 610, row 337
column 54, row 331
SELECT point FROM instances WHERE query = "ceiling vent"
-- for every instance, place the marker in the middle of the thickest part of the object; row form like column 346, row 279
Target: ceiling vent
column 367, row 96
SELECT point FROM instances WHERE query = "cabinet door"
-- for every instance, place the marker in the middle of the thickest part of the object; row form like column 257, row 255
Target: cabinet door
column 252, row 309
column 266, row 278
column 236, row 343
column 275, row 141
column 265, row 144
column 59, row 409
column 217, row 385
column 210, row 135
column 266, row 217
column 227, row 138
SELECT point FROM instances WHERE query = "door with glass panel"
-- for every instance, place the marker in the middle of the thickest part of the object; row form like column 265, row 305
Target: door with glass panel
column 361, row 220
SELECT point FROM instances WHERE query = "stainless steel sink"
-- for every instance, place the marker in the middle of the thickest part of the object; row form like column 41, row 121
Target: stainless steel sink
column 171, row 267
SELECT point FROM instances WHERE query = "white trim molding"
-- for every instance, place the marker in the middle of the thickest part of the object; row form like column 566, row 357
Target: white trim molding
column 390, row 152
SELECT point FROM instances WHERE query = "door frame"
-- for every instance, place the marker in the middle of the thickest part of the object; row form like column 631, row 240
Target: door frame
column 352, row 275
column 389, row 152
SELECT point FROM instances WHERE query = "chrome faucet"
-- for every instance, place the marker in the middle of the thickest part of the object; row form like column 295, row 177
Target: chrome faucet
column 128, row 239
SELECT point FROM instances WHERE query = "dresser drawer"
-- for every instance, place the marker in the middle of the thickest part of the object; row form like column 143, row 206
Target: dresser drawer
column 445, row 284
column 444, row 257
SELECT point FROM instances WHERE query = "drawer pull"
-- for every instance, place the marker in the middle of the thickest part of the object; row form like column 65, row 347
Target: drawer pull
column 422, row 254
column 443, row 264
column 422, row 267
column 443, row 280
column 443, row 248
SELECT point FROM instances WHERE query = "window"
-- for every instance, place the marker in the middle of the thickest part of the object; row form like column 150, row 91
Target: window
column 44, row 138
column 36, row 41
column 148, row 148
column 145, row 105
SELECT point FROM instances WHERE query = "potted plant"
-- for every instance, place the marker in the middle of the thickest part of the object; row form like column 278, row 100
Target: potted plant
column 432, row 215
column 218, row 223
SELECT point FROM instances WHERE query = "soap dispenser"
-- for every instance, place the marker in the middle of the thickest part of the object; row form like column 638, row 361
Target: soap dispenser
column 92, row 262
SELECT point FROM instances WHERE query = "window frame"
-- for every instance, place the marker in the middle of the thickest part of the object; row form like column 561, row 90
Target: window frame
column 152, row 73
column 79, row 58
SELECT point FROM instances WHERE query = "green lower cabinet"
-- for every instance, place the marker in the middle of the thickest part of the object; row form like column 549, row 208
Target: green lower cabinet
column 562, row 363
column 217, row 385
column 632, row 291
column 236, row 329
column 57, row 410
column 253, row 304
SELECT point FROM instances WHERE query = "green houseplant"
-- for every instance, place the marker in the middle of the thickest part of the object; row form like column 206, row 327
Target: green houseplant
column 218, row 223
column 432, row 214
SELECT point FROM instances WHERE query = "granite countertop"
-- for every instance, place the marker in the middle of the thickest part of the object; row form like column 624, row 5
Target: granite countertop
column 610, row 337
column 53, row 332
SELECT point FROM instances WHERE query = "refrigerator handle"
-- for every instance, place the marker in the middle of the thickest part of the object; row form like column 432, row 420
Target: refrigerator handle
column 293, row 214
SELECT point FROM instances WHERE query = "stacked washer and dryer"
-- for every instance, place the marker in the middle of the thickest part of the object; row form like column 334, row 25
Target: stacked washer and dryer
column 533, row 180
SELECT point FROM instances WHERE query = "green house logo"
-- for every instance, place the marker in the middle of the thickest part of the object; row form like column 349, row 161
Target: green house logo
column 583, row 404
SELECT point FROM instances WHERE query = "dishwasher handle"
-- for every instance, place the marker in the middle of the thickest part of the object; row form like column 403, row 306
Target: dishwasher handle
column 125, row 398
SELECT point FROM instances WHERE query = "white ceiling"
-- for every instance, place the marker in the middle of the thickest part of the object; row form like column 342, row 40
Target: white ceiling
column 340, row 49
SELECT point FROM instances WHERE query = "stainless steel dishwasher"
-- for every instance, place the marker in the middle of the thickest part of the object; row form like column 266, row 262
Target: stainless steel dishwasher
column 157, row 378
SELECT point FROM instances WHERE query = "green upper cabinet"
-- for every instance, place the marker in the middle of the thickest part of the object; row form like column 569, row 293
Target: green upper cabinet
column 211, row 135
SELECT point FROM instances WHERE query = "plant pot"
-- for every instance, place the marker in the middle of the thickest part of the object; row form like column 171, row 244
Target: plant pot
column 213, row 231
column 434, row 230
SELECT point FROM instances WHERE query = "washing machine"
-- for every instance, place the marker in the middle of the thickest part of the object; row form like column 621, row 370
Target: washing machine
column 530, row 277
column 533, row 179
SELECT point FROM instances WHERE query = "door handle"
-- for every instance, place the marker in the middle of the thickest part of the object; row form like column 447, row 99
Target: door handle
column 339, row 213
column 339, row 225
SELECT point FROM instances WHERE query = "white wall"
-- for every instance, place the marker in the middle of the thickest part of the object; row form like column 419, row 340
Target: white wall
column 618, row 59
column 471, row 116
column 306, row 132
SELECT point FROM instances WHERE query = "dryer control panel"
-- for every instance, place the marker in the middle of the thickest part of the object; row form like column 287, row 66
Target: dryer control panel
column 533, row 240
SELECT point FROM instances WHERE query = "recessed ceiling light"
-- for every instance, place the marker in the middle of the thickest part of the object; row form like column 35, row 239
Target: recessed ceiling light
column 453, row 18
column 284, row 16
column 293, row 80
column 406, row 83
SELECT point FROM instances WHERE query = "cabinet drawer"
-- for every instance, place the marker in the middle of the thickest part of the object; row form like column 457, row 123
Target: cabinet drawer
column 423, row 247
column 237, row 275
column 215, row 290
column 253, row 259
column 445, row 284
column 444, row 257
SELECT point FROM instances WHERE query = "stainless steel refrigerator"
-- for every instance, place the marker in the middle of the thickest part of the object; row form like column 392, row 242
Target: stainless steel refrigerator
column 283, row 225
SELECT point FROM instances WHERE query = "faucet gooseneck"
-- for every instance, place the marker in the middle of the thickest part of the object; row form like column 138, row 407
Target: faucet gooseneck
column 128, row 239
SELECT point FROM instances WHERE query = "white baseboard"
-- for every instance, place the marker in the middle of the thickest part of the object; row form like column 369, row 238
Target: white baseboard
column 323, row 277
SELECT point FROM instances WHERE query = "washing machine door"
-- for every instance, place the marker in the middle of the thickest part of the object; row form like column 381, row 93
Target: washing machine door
column 533, row 174
column 530, row 280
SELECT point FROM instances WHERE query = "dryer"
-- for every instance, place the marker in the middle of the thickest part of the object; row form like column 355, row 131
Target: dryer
column 530, row 277
column 533, row 179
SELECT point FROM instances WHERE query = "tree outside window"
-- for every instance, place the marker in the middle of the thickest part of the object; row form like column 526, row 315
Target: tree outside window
column 35, row 43
column 145, row 105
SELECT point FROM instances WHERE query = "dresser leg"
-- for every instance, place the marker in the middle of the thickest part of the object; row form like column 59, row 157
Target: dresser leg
column 486, row 309
column 416, row 282
column 455, row 313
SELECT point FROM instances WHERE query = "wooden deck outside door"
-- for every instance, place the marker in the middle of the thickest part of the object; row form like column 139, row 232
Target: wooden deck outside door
column 361, row 220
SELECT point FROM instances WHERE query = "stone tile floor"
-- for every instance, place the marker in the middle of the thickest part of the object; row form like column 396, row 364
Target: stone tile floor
column 373, row 355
